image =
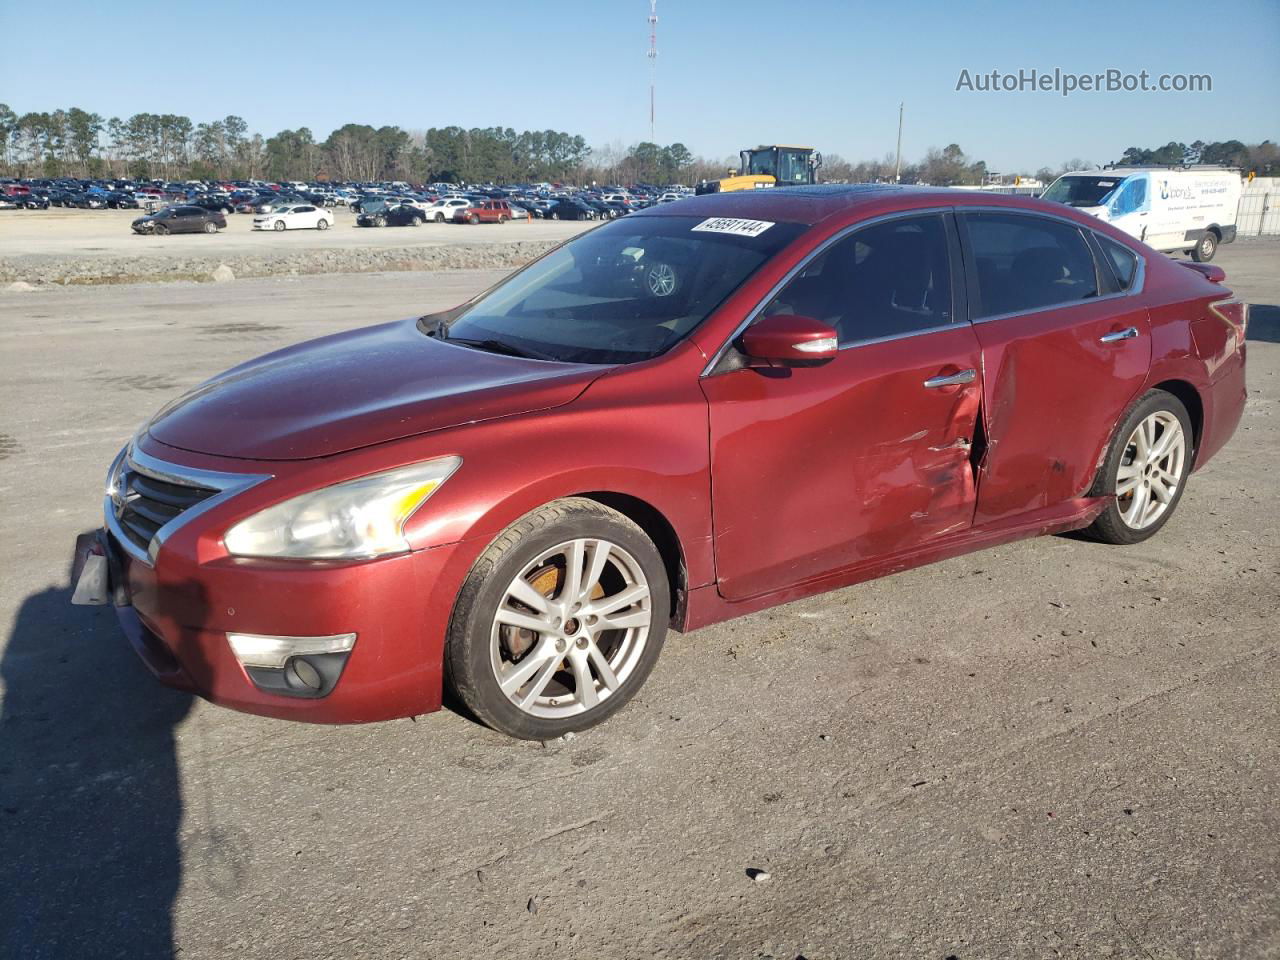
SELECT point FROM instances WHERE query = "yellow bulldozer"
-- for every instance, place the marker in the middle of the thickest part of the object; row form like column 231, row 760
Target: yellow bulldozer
column 776, row 165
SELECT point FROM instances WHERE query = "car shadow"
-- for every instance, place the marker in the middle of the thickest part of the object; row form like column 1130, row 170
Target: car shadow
column 90, row 796
column 1264, row 323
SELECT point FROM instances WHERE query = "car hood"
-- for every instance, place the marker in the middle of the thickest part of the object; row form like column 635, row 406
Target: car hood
column 357, row 389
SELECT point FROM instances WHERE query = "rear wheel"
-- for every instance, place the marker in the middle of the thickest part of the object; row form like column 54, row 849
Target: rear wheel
column 559, row 622
column 1145, row 471
column 1206, row 248
column 322, row 224
column 210, row 227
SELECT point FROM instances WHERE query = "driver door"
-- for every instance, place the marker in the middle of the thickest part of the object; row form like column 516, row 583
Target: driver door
column 815, row 469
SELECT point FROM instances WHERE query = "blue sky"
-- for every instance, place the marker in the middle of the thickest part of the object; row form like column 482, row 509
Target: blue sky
column 729, row 75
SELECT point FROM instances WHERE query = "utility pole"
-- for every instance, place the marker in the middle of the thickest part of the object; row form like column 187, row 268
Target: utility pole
column 653, row 64
column 897, row 163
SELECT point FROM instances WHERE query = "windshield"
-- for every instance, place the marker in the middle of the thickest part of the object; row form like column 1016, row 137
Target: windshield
column 1082, row 191
column 624, row 292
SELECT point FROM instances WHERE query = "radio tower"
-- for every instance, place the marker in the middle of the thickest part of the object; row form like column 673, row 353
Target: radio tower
column 653, row 63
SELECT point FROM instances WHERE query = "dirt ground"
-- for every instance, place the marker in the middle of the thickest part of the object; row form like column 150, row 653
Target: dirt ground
column 1049, row 749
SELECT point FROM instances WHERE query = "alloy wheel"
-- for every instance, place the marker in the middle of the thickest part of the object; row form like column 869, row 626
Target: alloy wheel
column 571, row 628
column 1150, row 469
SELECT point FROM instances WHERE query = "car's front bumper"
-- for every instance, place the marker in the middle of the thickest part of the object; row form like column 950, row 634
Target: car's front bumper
column 178, row 602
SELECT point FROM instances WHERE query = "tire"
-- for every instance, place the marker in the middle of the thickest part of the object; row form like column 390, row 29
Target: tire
column 555, row 216
column 210, row 227
column 502, row 220
column 439, row 218
column 379, row 221
column 1203, row 251
column 278, row 225
column 322, row 224
column 160, row 230
column 1121, row 523
column 479, row 647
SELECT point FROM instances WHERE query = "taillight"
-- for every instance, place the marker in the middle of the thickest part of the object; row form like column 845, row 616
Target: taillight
column 1236, row 315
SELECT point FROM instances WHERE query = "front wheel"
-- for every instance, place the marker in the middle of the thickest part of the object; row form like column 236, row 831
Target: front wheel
column 439, row 218
column 473, row 219
column 1203, row 251
column 555, row 216
column 559, row 622
column 279, row 225
column 161, row 230
column 1145, row 471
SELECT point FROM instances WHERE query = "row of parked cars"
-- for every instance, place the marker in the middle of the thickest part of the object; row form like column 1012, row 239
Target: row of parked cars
column 438, row 202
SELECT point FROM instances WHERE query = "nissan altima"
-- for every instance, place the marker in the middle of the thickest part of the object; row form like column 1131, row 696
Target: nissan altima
column 697, row 411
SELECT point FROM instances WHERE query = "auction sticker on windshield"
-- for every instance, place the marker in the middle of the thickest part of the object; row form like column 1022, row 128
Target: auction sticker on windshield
column 733, row 225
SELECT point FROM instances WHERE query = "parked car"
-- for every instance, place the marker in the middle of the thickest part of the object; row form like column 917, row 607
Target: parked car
column 444, row 208
column 265, row 203
column 180, row 219
column 86, row 201
column 303, row 216
column 565, row 208
column 31, row 201
column 767, row 395
column 118, row 200
column 220, row 204
column 487, row 211
column 390, row 215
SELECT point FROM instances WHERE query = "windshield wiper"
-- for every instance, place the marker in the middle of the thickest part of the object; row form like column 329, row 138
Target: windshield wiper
column 492, row 346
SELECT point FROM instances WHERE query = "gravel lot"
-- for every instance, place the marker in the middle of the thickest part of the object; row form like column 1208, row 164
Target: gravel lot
column 1050, row 749
column 97, row 246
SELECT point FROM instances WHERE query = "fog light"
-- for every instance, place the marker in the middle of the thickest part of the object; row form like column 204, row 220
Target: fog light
column 300, row 671
column 254, row 650
column 307, row 667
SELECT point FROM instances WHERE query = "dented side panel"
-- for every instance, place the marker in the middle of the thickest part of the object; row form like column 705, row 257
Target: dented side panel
column 1054, row 392
column 817, row 468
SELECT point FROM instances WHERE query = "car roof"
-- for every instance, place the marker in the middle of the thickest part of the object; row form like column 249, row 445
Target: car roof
column 810, row 205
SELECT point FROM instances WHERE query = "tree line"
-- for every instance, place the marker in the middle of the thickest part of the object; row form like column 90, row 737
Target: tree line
column 1261, row 159
column 75, row 142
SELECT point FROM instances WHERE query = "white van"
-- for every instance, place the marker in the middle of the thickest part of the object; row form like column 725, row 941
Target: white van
column 1189, row 210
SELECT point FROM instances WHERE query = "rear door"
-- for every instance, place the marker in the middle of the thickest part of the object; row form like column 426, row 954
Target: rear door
column 1064, row 353
column 819, row 468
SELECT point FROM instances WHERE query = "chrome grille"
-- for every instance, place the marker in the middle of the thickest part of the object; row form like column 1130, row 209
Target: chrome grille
column 147, row 503
column 147, row 499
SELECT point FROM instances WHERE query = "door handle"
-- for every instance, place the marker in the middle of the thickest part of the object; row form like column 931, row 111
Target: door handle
column 951, row 380
column 1128, row 333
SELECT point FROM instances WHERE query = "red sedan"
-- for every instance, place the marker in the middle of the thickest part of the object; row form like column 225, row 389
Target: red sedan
column 694, row 412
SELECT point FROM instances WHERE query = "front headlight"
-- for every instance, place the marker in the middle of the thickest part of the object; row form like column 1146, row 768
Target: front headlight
column 358, row 518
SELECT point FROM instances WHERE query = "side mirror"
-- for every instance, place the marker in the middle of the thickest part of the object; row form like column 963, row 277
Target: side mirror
column 790, row 340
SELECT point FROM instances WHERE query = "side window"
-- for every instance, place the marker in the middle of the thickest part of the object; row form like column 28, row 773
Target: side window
column 1026, row 263
column 1124, row 262
column 886, row 280
column 1132, row 197
column 304, row 209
